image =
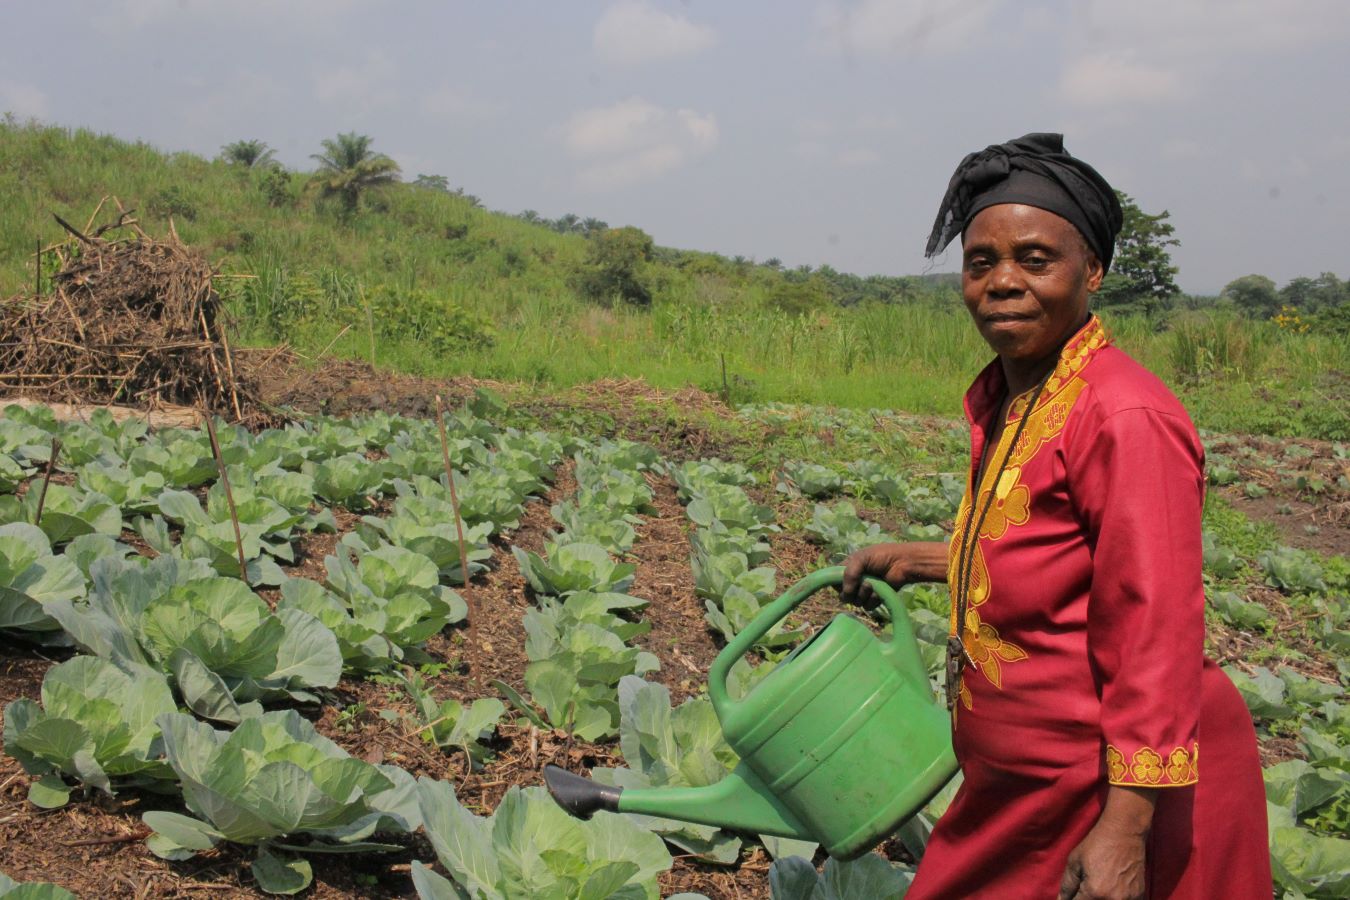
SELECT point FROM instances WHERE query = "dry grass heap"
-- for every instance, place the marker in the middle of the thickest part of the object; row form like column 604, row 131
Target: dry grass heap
column 130, row 320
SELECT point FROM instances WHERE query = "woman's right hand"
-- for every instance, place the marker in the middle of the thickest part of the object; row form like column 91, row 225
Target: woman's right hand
column 895, row 564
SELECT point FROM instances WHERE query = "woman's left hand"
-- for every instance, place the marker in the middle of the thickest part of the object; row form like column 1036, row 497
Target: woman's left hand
column 1107, row 865
column 1110, row 863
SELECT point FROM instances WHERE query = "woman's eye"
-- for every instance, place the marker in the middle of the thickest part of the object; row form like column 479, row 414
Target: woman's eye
column 1035, row 262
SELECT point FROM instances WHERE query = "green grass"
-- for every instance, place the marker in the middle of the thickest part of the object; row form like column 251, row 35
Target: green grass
column 297, row 272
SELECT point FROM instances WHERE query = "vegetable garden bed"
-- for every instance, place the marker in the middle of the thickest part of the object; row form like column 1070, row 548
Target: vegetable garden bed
column 605, row 576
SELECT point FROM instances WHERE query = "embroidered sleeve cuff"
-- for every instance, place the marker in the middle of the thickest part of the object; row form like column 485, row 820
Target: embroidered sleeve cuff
column 1146, row 767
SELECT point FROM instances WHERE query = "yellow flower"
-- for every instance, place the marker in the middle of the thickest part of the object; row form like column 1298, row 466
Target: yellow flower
column 1179, row 766
column 1011, row 506
column 987, row 650
column 1147, row 766
column 1115, row 764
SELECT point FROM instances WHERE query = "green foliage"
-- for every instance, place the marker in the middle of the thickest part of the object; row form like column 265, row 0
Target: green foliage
column 31, row 579
column 573, row 567
column 1253, row 295
column 575, row 666
column 617, row 268
column 223, row 646
column 32, row 890
column 348, row 168
column 842, row 531
column 808, row 479
column 529, row 847
column 692, row 477
column 249, row 154
column 1142, row 275
column 96, row 724
column 273, row 780
column 452, row 725
column 67, row 512
column 429, row 319
column 732, row 508
column 797, row 298
column 1292, row 570
column 869, row 877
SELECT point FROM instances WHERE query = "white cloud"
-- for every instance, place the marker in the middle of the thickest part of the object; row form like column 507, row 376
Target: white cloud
column 23, row 100
column 879, row 27
column 1114, row 79
column 634, row 31
column 635, row 140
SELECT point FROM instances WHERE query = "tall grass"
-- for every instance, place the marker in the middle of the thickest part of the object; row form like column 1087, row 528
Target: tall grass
column 305, row 275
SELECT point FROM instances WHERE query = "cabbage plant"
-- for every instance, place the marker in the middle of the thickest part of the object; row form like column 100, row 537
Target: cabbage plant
column 32, row 890
column 573, row 567
column 67, row 512
column 693, row 477
column 347, row 480
column 32, row 578
column 381, row 609
column 270, row 783
column 869, row 877
column 810, row 480
column 587, row 525
column 428, row 530
column 222, row 645
column 530, row 848
column 732, row 507
column 96, row 724
column 841, row 530
column 575, row 668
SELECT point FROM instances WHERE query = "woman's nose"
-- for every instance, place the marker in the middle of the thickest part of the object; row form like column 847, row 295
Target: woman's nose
column 1005, row 278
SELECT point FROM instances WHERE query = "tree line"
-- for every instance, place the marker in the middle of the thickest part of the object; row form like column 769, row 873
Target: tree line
column 622, row 264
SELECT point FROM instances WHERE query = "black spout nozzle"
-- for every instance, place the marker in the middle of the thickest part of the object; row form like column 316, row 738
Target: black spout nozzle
column 580, row 796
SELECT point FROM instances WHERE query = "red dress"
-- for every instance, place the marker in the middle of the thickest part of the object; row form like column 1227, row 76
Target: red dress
column 1085, row 627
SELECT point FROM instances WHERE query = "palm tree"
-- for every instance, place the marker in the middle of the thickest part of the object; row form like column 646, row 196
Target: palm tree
column 592, row 225
column 348, row 168
column 249, row 154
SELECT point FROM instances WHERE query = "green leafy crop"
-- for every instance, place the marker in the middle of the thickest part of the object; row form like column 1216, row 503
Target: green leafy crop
column 96, row 724
column 529, row 849
column 269, row 782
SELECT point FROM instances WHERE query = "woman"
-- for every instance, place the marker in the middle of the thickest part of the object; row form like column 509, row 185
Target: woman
column 1077, row 680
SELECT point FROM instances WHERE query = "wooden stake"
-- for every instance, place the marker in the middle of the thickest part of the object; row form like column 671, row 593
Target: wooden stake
column 47, row 479
column 454, row 500
column 37, row 270
column 229, row 495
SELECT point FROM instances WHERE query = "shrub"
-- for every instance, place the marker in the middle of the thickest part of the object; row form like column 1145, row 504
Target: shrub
column 617, row 267
column 430, row 319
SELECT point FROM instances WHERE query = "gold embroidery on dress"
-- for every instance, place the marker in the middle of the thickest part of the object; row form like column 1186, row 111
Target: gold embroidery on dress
column 1147, row 767
column 1012, row 502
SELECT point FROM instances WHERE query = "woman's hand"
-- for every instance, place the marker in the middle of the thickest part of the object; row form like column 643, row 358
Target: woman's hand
column 1110, row 863
column 895, row 564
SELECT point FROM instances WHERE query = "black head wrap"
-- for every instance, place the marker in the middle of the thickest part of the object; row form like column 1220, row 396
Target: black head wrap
column 1034, row 170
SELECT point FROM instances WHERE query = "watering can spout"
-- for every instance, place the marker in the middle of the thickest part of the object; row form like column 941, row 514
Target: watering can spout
column 739, row 802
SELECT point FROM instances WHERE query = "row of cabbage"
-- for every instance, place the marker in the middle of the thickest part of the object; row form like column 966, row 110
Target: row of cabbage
column 182, row 630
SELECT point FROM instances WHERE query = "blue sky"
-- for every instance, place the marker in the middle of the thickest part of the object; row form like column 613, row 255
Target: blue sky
column 816, row 132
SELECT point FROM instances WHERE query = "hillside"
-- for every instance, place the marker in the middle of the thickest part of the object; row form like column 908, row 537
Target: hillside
column 425, row 281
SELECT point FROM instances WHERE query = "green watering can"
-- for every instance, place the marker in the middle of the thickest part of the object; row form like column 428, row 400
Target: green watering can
column 840, row 744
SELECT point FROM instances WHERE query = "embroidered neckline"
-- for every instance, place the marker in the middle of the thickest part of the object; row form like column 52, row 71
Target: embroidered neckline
column 1076, row 354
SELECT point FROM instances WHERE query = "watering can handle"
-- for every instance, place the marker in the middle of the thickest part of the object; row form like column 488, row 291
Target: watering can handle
column 902, row 632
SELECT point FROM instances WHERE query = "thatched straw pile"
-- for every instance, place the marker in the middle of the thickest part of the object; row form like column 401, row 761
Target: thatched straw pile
column 132, row 320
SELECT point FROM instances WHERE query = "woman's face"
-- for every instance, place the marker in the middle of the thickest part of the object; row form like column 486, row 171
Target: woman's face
column 1026, row 275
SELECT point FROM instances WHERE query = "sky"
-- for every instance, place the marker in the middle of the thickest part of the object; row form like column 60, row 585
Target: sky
column 813, row 131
